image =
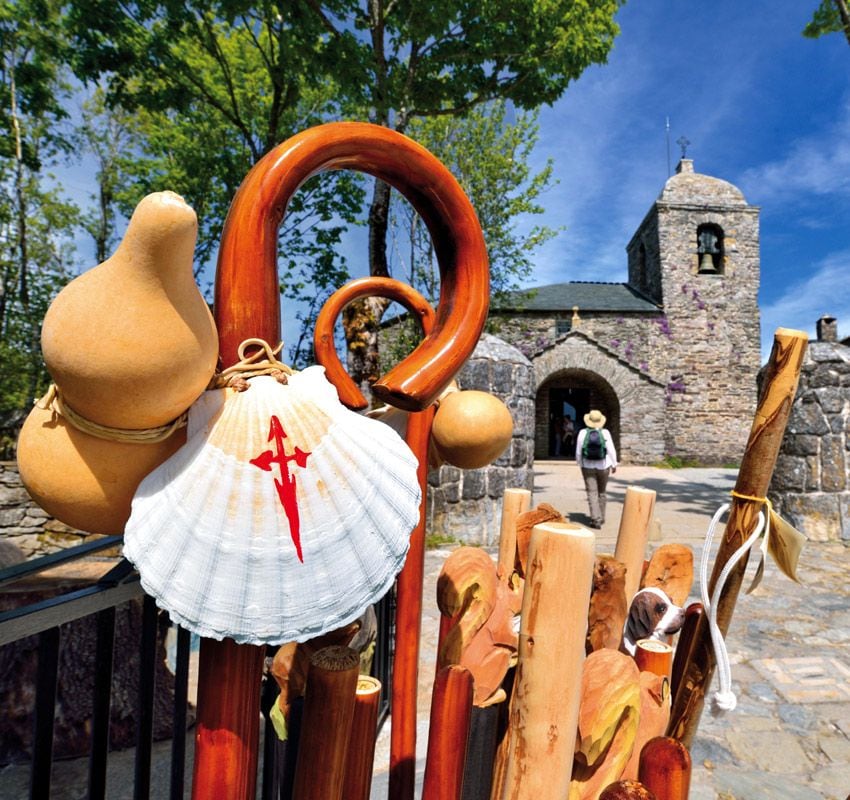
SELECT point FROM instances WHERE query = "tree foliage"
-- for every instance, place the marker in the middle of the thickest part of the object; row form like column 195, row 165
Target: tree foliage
column 211, row 87
column 489, row 155
column 831, row 16
column 35, row 222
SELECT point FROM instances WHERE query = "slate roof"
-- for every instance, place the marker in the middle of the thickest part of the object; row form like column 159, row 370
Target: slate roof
column 587, row 295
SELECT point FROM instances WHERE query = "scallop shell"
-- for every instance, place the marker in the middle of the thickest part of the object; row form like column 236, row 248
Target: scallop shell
column 284, row 516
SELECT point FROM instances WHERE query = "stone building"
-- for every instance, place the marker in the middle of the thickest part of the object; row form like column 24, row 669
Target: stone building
column 811, row 483
column 671, row 355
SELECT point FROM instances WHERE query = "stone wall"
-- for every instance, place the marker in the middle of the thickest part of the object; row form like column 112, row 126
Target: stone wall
column 638, row 423
column 24, row 524
column 811, row 483
column 467, row 504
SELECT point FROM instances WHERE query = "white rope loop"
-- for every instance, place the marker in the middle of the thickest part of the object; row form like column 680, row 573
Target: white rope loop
column 724, row 699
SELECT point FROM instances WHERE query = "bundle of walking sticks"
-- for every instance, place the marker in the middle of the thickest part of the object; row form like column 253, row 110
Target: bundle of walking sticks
column 556, row 707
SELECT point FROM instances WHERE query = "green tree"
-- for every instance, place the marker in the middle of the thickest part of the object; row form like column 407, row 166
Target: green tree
column 502, row 188
column 211, row 87
column 831, row 16
column 35, row 223
column 409, row 59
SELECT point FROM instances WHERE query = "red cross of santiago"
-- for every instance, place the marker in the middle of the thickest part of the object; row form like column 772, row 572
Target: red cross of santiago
column 286, row 485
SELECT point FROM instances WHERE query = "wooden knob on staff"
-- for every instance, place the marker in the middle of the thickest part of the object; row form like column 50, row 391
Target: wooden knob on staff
column 545, row 703
column 357, row 784
column 326, row 725
column 631, row 538
column 654, row 656
column 627, row 790
column 665, row 768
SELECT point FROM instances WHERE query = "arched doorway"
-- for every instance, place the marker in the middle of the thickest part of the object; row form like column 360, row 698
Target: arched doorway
column 570, row 394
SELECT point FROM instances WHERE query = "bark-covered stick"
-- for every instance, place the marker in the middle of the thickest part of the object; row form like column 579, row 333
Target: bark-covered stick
column 631, row 538
column 778, row 390
column 545, row 701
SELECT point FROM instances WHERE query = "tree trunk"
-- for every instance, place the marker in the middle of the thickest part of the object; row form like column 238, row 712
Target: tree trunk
column 362, row 318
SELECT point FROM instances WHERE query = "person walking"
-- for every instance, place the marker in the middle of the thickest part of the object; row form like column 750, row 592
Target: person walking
column 596, row 456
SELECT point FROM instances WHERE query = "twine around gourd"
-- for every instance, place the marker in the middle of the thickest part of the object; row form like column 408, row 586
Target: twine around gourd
column 262, row 361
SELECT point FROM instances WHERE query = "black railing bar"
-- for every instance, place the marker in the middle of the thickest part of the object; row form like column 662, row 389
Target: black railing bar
column 45, row 710
column 147, row 687
column 181, row 696
column 118, row 574
column 101, row 696
column 19, row 623
column 18, row 571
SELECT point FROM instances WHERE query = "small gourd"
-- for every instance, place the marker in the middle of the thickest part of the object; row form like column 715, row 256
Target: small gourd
column 471, row 428
column 131, row 343
column 85, row 482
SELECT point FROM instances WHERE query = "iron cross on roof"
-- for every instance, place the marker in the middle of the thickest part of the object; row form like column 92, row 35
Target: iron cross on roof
column 683, row 142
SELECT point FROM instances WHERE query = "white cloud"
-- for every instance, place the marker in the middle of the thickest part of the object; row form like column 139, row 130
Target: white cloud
column 825, row 291
column 818, row 164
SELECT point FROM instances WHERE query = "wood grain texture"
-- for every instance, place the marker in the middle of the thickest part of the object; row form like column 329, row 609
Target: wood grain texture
column 326, row 725
column 665, row 768
column 654, row 656
column 545, row 701
column 778, row 389
column 451, row 711
column 638, row 506
column 323, row 334
column 514, row 503
column 408, row 625
column 227, row 734
column 357, row 784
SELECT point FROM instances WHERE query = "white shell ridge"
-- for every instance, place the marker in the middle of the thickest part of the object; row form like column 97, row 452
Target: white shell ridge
column 284, row 516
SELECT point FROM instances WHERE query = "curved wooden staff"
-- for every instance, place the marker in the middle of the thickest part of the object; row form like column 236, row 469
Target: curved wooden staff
column 247, row 304
column 405, row 679
column 778, row 390
column 248, row 251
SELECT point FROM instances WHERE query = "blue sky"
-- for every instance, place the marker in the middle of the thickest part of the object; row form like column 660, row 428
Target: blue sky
column 763, row 108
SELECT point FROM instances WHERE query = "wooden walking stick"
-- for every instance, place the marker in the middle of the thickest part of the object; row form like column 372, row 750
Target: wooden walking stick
column 326, row 724
column 357, row 784
column 778, row 390
column 405, row 681
column 654, row 656
column 545, row 702
column 683, row 646
column 665, row 768
column 514, row 503
column 247, row 304
column 627, row 790
column 638, row 506
column 451, row 707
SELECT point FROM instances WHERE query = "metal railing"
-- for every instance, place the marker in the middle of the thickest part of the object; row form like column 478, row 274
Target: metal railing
column 120, row 585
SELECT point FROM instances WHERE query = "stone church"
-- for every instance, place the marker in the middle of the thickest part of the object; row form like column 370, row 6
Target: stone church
column 671, row 355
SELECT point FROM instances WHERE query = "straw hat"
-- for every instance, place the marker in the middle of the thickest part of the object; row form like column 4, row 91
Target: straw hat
column 595, row 419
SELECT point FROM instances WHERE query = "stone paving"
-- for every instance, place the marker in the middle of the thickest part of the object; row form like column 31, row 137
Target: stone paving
column 789, row 737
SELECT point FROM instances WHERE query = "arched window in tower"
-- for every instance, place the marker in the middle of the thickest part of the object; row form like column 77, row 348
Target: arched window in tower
column 710, row 249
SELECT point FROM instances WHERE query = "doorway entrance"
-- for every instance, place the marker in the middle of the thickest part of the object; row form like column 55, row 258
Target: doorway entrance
column 567, row 407
column 569, row 395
